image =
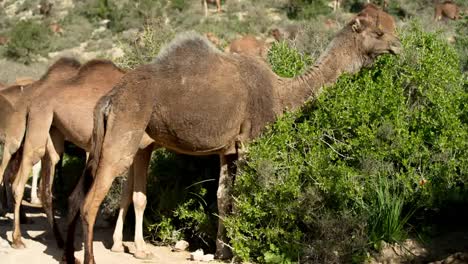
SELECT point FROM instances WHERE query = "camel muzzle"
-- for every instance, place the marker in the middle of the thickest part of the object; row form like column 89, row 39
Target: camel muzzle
column 396, row 48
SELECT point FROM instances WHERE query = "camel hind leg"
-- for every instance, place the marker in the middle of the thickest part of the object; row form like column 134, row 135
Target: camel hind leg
column 226, row 180
column 54, row 148
column 33, row 150
column 116, row 157
column 140, row 166
column 125, row 201
column 35, row 178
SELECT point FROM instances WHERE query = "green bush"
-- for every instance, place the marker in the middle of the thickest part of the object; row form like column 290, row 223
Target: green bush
column 182, row 199
column 147, row 47
column 461, row 41
column 315, row 171
column 307, row 9
column 287, row 62
column 27, row 40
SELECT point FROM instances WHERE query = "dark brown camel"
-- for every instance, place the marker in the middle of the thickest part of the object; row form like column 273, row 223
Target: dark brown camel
column 447, row 9
column 196, row 100
column 14, row 102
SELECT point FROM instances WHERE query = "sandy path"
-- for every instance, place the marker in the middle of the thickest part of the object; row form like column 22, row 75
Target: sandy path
column 42, row 249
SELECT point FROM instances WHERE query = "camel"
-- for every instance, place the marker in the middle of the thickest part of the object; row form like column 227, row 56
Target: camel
column 248, row 45
column 22, row 81
column 4, row 40
column 386, row 21
column 288, row 32
column 65, row 111
column 48, row 104
column 447, row 9
column 197, row 100
column 15, row 102
column 206, row 2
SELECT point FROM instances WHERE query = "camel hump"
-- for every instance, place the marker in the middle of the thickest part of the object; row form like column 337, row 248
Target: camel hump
column 185, row 45
column 61, row 65
column 97, row 65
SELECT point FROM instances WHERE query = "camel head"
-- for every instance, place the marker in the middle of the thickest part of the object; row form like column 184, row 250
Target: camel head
column 372, row 40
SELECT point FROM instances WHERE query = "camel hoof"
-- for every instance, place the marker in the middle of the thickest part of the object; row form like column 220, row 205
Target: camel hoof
column 117, row 248
column 74, row 261
column 223, row 253
column 143, row 255
column 18, row 245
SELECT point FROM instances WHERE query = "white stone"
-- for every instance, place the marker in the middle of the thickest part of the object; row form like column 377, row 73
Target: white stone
column 197, row 255
column 181, row 245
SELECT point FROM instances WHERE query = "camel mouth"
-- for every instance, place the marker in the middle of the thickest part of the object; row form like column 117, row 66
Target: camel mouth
column 396, row 48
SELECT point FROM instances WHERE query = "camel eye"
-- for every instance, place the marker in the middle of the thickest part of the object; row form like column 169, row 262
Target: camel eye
column 379, row 33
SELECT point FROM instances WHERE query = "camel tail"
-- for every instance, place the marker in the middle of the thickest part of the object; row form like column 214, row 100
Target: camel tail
column 99, row 130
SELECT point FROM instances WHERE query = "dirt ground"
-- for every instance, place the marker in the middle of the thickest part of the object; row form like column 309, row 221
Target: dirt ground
column 42, row 249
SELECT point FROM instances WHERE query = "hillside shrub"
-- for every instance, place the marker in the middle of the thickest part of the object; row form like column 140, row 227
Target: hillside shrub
column 150, row 41
column 461, row 41
column 307, row 9
column 310, row 188
column 27, row 40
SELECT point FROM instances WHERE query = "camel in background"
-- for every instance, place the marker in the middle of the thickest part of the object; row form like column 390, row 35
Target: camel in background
column 206, row 2
column 248, row 45
column 197, row 100
column 447, row 9
column 15, row 101
column 382, row 18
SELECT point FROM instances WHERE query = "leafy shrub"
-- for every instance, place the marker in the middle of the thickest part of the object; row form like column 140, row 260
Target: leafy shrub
column 461, row 41
column 182, row 199
column 307, row 9
column 326, row 159
column 287, row 62
column 27, row 40
column 147, row 47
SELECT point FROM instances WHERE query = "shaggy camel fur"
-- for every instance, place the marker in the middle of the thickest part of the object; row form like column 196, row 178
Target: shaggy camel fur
column 196, row 100
column 447, row 9
column 45, row 139
column 15, row 101
column 386, row 21
column 206, row 2
column 248, row 45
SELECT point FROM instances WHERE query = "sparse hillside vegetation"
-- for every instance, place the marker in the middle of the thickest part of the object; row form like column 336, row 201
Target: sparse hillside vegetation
column 355, row 169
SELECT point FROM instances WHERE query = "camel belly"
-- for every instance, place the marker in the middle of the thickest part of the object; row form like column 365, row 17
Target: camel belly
column 194, row 135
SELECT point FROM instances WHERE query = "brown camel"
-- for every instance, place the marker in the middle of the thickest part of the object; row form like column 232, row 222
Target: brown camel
column 196, row 100
column 46, row 105
column 248, row 45
column 206, row 2
column 385, row 20
column 15, row 101
column 23, row 81
column 447, row 9
column 66, row 110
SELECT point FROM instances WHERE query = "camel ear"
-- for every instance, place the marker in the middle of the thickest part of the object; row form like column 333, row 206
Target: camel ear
column 357, row 26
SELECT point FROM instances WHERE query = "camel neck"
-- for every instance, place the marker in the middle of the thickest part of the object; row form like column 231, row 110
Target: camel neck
column 340, row 57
